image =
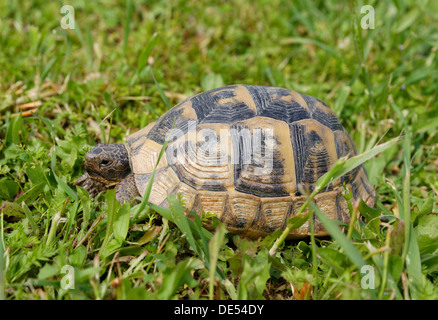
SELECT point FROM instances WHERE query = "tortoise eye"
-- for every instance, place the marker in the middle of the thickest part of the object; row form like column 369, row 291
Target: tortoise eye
column 104, row 162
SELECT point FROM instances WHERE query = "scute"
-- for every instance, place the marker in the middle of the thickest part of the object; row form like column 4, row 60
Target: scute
column 199, row 164
column 321, row 113
column 314, row 152
column 224, row 105
column 179, row 119
column 279, row 104
column 263, row 158
column 212, row 161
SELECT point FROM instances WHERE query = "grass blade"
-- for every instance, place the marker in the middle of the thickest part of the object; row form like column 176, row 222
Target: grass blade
column 174, row 279
column 143, row 59
column 121, row 224
column 2, row 260
column 320, row 44
column 187, row 226
column 126, row 29
column 161, row 92
column 61, row 182
column 411, row 252
column 180, row 220
column 349, row 248
column 162, row 211
column 88, row 51
column 344, row 165
column 29, row 217
column 47, row 68
column 340, row 101
column 110, row 196
column 215, row 245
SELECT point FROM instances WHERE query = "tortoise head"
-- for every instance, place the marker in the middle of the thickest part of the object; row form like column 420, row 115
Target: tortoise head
column 107, row 163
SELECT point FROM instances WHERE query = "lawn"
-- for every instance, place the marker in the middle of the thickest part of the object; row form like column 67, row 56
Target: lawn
column 65, row 87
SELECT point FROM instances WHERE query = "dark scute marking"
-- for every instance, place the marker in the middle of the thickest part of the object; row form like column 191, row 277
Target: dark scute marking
column 288, row 214
column 365, row 183
column 311, row 157
column 213, row 185
column 349, row 176
column 196, row 204
column 355, row 188
column 314, row 137
column 269, row 104
column 328, row 118
column 285, row 111
column 241, row 139
column 345, row 147
column 226, row 208
column 310, row 101
column 135, row 151
column 229, row 113
column 256, row 219
column 268, row 229
column 260, row 190
column 223, row 93
column 203, row 104
column 358, row 181
column 260, row 96
column 299, row 147
column 317, row 164
column 131, row 141
column 164, row 124
column 208, row 109
column 279, row 92
column 344, row 144
column 231, row 90
column 241, row 222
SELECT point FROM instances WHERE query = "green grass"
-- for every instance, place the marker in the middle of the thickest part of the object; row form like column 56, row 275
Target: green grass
column 127, row 62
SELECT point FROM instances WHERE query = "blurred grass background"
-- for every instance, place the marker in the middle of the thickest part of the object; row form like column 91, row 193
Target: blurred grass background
column 126, row 62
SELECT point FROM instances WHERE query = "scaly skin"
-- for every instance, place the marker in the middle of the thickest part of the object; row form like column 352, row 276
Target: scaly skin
column 126, row 190
column 93, row 187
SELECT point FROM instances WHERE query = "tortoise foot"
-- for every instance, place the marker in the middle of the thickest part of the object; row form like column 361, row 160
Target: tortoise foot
column 92, row 186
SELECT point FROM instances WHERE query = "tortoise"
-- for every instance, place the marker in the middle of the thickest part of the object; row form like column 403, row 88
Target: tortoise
column 245, row 153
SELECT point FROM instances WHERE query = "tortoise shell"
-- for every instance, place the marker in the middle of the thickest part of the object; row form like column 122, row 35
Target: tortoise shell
column 248, row 154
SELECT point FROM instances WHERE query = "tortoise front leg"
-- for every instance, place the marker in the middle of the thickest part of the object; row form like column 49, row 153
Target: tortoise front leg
column 93, row 187
column 126, row 190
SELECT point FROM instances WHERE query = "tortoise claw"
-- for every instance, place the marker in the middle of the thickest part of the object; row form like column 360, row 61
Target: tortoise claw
column 92, row 186
column 81, row 179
